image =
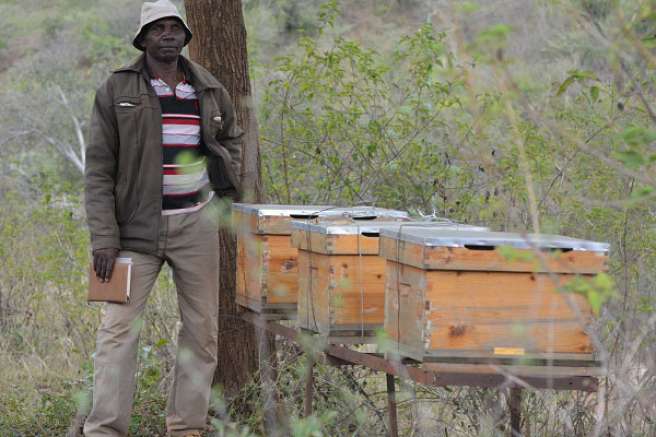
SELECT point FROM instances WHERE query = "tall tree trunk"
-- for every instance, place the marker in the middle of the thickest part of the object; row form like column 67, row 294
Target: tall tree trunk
column 219, row 44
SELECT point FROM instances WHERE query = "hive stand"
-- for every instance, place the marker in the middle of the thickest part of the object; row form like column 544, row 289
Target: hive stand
column 443, row 375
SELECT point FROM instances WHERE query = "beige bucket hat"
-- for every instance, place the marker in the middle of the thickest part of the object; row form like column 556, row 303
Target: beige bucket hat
column 153, row 11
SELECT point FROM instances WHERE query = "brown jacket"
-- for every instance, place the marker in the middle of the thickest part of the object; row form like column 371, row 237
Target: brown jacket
column 123, row 174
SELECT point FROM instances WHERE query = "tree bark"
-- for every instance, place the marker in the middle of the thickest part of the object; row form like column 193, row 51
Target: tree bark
column 219, row 44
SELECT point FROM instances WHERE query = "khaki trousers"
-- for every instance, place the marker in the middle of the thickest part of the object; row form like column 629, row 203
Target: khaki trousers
column 189, row 244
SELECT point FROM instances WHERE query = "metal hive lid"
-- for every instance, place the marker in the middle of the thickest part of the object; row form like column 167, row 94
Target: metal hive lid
column 382, row 227
column 315, row 211
column 461, row 238
column 365, row 212
column 271, row 210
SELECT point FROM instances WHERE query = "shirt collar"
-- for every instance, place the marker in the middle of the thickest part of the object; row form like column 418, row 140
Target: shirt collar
column 195, row 76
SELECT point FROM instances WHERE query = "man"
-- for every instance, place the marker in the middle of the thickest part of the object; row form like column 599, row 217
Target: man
column 164, row 143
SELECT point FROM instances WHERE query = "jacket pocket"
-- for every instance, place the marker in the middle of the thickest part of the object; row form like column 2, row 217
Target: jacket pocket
column 126, row 103
column 221, row 180
column 128, row 111
column 217, row 172
column 216, row 124
column 126, row 205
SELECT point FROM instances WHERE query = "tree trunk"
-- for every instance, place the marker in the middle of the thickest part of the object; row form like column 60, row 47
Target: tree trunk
column 219, row 44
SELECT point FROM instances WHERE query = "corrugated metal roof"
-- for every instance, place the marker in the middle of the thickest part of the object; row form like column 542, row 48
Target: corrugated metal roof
column 378, row 227
column 460, row 238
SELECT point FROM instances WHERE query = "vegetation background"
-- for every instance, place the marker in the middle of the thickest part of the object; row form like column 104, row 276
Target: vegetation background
column 517, row 114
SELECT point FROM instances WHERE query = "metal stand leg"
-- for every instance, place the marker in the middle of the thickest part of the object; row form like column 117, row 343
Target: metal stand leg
column 309, row 386
column 391, row 402
column 515, row 405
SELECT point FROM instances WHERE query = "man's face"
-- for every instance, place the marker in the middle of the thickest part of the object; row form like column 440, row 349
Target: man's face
column 164, row 39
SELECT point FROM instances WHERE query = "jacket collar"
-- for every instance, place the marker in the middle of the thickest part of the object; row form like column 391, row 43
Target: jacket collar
column 199, row 78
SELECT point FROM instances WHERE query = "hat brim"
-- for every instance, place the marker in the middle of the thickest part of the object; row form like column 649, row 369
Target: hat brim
column 136, row 42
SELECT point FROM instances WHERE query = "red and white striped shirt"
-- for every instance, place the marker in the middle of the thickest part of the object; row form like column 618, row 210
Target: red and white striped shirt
column 185, row 186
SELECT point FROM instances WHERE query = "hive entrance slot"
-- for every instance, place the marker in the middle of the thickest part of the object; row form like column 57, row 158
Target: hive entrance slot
column 364, row 217
column 479, row 247
column 370, row 234
column 304, row 216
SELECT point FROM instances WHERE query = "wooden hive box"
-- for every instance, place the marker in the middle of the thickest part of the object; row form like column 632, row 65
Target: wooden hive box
column 267, row 265
column 488, row 297
column 342, row 277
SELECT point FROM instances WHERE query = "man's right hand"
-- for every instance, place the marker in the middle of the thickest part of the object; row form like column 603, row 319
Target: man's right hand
column 103, row 263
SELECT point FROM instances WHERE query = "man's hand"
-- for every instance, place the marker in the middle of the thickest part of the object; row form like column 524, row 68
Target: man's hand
column 103, row 263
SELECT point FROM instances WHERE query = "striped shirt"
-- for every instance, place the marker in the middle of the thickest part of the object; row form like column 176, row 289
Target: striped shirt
column 185, row 186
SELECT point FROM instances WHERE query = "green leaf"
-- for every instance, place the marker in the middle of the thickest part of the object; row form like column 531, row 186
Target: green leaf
column 597, row 291
column 496, row 34
column 646, row 304
column 630, row 158
column 563, row 86
column 636, row 136
column 468, row 7
column 575, row 76
column 594, row 93
column 328, row 13
column 642, row 192
column 649, row 43
column 595, row 300
column 604, row 282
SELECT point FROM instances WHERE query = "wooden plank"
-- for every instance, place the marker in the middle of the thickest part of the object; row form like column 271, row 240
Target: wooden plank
column 528, row 359
column 281, row 275
column 282, row 287
column 466, row 356
column 302, row 309
column 243, row 222
column 484, row 310
column 276, row 225
column 251, row 304
column 514, row 370
column 267, row 270
column 313, row 301
column 335, row 244
column 250, row 270
column 405, row 315
column 268, row 311
column 357, row 290
column 560, row 337
column 491, row 297
column 461, row 259
column 351, row 288
column 402, row 252
column 580, row 262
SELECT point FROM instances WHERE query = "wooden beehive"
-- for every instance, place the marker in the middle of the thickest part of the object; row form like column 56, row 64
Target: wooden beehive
column 487, row 297
column 341, row 278
column 267, row 265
